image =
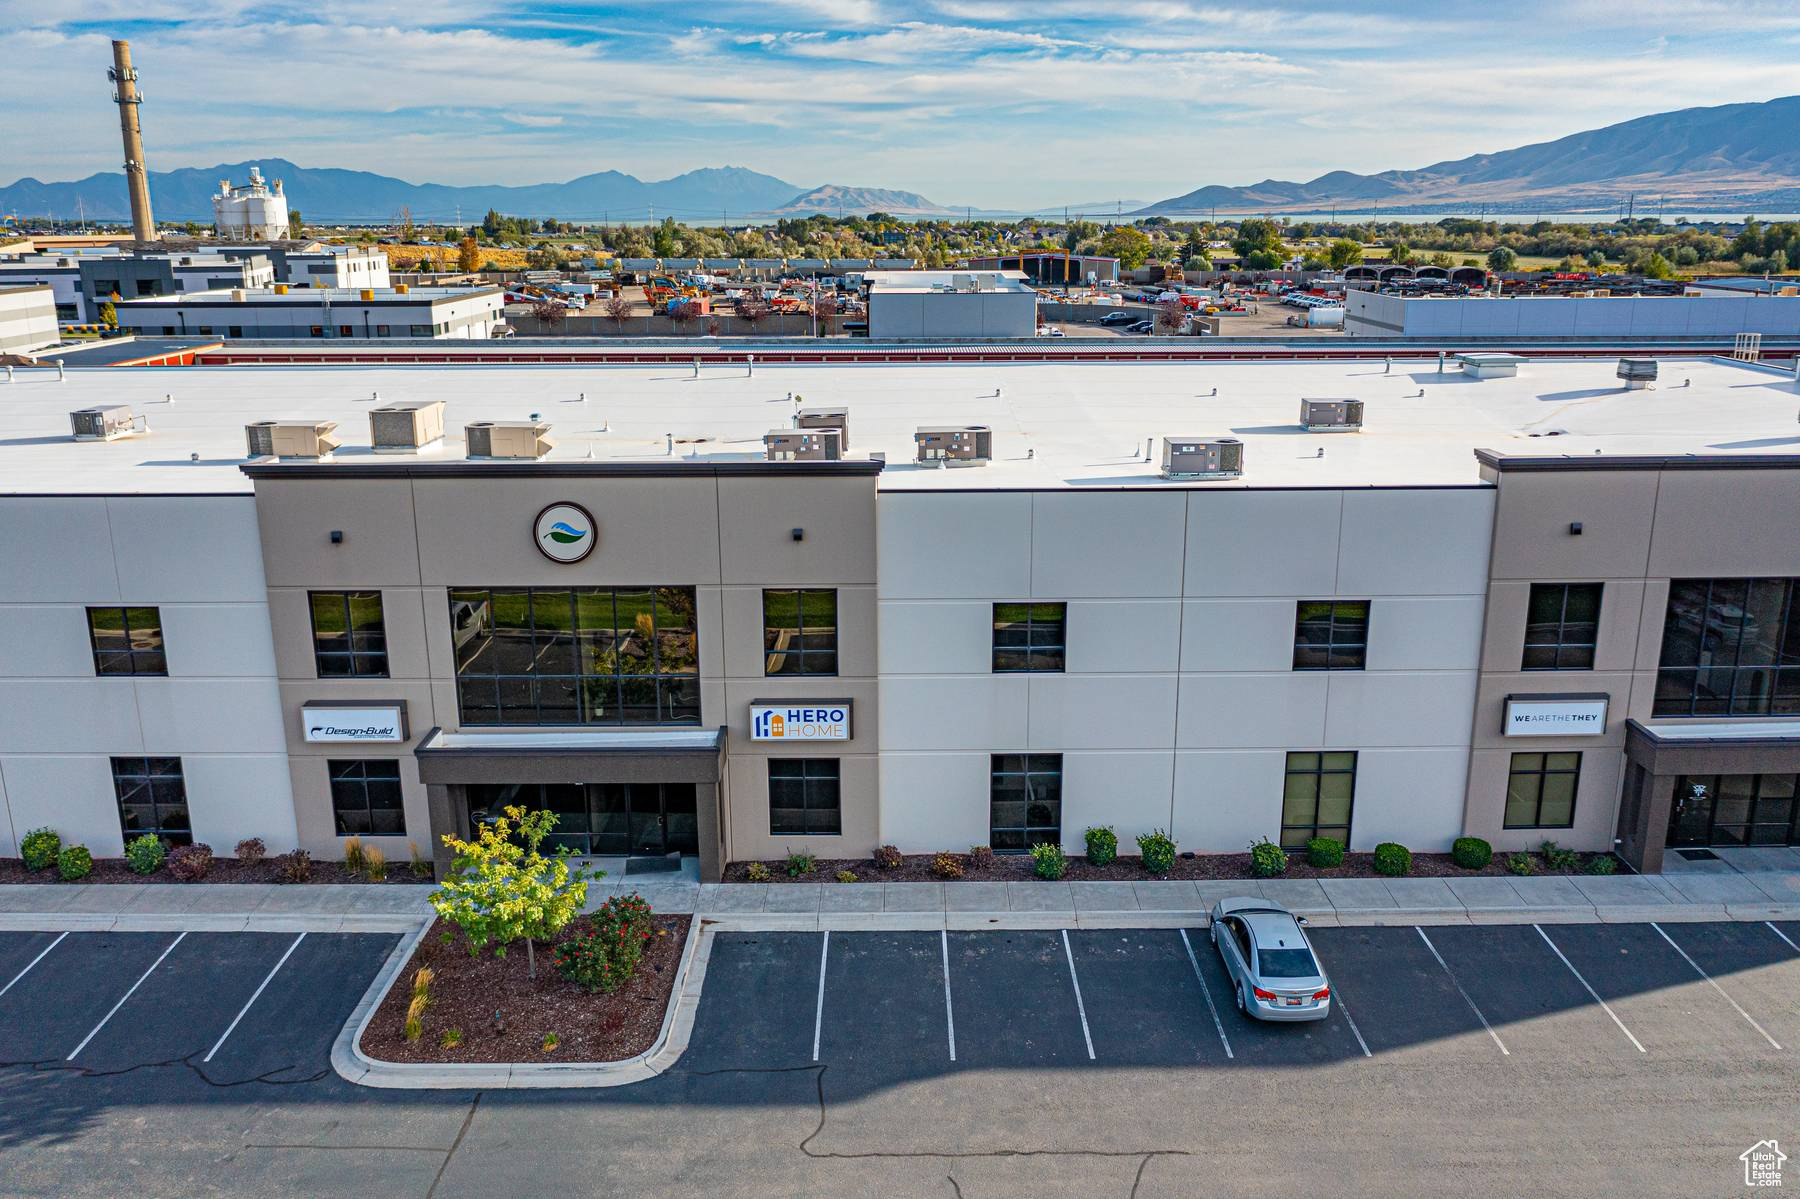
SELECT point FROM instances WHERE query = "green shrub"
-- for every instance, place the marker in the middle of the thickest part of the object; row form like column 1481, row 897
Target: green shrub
column 74, row 862
column 39, row 848
column 800, row 863
column 1558, row 858
column 450, row 1038
column 756, row 872
column 606, row 958
column 846, row 876
column 1471, row 853
column 189, row 863
column 1325, row 853
column 1521, row 863
column 1267, row 859
column 1158, row 850
column 1602, row 863
column 421, row 868
column 1392, row 859
column 981, row 857
column 887, row 857
column 145, row 854
column 1047, row 860
column 947, row 865
column 1102, row 845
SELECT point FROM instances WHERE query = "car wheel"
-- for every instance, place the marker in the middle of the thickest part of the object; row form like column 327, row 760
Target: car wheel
column 1242, row 1005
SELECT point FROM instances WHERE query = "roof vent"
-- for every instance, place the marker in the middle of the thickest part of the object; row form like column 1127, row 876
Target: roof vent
column 1202, row 458
column 1331, row 416
column 954, row 445
column 803, row 445
column 303, row 439
column 103, row 424
column 1490, row 366
column 1638, row 373
column 514, row 439
column 826, row 418
column 406, row 427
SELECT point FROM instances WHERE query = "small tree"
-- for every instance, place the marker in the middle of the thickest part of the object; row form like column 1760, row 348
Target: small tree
column 109, row 316
column 750, row 311
column 548, row 313
column 1342, row 253
column 296, row 226
column 617, row 310
column 1170, row 315
column 1501, row 259
column 501, row 888
column 468, row 255
column 684, row 313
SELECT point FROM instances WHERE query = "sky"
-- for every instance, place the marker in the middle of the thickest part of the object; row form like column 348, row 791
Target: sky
column 991, row 103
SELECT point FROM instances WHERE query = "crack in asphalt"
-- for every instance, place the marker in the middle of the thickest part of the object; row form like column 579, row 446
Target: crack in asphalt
column 468, row 1119
column 62, row 1066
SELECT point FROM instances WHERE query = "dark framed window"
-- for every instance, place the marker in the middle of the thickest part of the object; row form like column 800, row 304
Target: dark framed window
column 1562, row 626
column 1030, row 637
column 803, row 797
column 1540, row 790
column 1317, row 797
column 365, row 797
column 1024, row 801
column 1735, row 809
column 1331, row 634
column 799, row 632
column 152, row 798
column 601, row 818
column 349, row 638
column 1731, row 647
column 593, row 655
column 127, row 641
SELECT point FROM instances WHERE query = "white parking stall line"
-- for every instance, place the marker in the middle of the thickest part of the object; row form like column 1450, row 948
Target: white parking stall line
column 1715, row 986
column 34, row 961
column 1769, row 923
column 1457, row 983
column 1604, row 1006
column 1201, row 979
column 127, row 995
column 819, row 1012
column 1337, row 997
column 949, row 1012
column 1079, row 1006
column 245, row 1010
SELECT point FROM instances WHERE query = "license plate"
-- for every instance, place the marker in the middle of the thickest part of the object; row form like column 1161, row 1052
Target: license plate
column 1293, row 1001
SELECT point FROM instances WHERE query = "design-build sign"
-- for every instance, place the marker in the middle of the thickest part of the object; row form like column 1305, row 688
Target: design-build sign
column 565, row 533
column 372, row 722
column 826, row 720
column 1555, row 715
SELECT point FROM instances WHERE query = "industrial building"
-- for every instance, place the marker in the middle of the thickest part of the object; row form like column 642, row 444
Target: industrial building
column 315, row 263
column 1713, row 315
column 916, row 305
column 936, row 606
column 27, row 318
column 325, row 312
column 82, row 280
column 253, row 211
column 1050, row 266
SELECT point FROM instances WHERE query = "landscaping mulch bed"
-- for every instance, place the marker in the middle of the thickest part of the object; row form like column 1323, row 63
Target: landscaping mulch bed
column 1016, row 868
column 223, row 870
column 468, row 991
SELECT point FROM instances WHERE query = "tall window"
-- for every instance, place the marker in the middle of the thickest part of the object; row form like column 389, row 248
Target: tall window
column 1731, row 647
column 1029, row 637
column 349, row 639
column 1540, row 790
column 1562, row 626
column 152, row 798
column 799, row 632
column 1024, row 801
column 803, row 796
column 1331, row 634
column 365, row 798
column 127, row 641
column 1317, row 797
column 593, row 655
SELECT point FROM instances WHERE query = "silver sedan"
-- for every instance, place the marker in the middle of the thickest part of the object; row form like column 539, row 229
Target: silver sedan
column 1270, row 962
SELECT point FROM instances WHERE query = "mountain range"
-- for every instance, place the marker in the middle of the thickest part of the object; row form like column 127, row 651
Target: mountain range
column 1734, row 156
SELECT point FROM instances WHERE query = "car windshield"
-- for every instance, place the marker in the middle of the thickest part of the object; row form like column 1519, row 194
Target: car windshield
column 1287, row 963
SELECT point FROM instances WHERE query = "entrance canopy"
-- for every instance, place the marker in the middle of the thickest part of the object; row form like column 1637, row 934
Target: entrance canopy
column 1730, row 782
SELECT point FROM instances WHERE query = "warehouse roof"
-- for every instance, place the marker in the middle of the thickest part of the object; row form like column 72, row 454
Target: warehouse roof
column 1055, row 425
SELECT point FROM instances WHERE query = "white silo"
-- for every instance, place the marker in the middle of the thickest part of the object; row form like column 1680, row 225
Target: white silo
column 253, row 211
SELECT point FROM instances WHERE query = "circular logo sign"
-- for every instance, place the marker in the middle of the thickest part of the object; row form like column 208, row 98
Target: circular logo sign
column 565, row 533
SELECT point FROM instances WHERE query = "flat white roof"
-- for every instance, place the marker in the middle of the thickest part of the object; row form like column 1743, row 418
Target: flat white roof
column 315, row 295
column 1056, row 425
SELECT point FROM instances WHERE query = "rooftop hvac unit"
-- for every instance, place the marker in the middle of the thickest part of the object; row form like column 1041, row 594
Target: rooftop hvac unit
column 102, row 424
column 406, row 427
column 1638, row 373
column 954, row 445
column 803, row 445
column 826, row 418
column 1331, row 416
column 291, row 439
column 1202, row 458
column 515, row 439
column 1490, row 366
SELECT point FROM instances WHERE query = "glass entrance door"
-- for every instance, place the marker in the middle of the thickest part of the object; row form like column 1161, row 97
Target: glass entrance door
column 610, row 819
column 1734, row 809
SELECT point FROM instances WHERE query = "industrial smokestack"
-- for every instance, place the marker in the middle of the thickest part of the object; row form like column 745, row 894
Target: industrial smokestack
column 125, row 95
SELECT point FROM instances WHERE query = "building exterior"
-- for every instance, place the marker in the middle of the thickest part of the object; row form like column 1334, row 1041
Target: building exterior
column 83, row 280
column 917, row 305
column 1051, row 266
column 317, row 264
column 445, row 312
column 1713, row 315
column 981, row 614
column 253, row 211
column 27, row 318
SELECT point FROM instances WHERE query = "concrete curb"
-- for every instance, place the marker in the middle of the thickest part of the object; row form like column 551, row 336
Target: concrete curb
column 177, row 922
column 353, row 1065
